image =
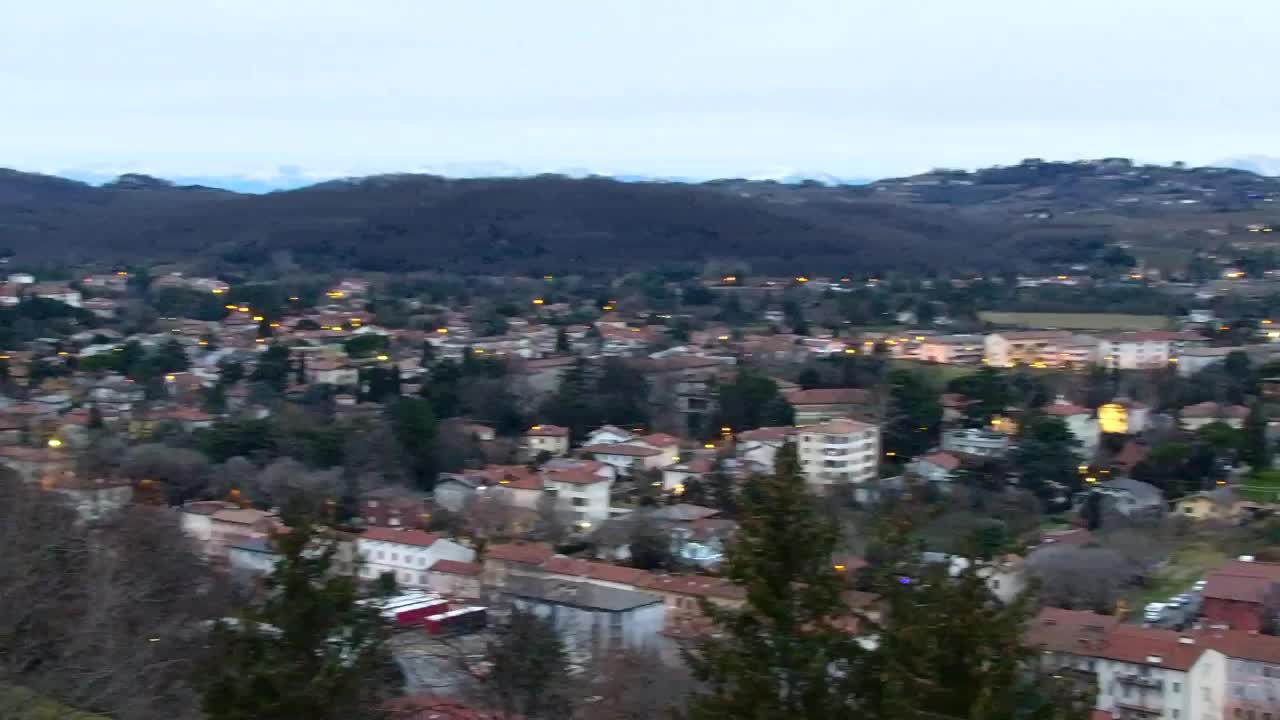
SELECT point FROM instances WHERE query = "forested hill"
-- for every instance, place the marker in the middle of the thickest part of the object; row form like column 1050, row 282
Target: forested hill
column 553, row 223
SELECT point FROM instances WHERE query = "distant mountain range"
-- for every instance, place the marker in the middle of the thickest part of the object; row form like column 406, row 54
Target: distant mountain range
column 1007, row 217
column 1260, row 164
column 292, row 177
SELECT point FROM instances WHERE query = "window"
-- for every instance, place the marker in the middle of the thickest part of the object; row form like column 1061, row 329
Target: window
column 1177, row 687
column 379, row 554
column 422, row 578
column 579, row 502
column 395, row 557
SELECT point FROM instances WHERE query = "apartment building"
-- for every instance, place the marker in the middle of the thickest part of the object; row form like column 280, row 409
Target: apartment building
column 1035, row 348
column 839, row 452
column 951, row 349
column 1138, row 350
column 406, row 554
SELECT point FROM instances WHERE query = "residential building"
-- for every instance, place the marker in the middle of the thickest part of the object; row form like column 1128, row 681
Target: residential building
column 1131, row 498
column 951, row 349
column 454, row 579
column 1219, row 504
column 1193, row 360
column 1196, row 416
column 822, row 404
column 395, row 507
column 937, row 467
column 975, row 442
column 609, row 435
column 1080, row 421
column 839, row 453
column 406, row 554
column 1236, row 595
column 1034, row 348
column 551, row 439
column 520, row 558
column 588, row 616
column 1139, row 350
column 761, row 445
column 583, row 489
column 629, row 458
column 252, row 557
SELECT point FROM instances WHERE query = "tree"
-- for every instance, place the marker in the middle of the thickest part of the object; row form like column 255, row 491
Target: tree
column 776, row 656
column 809, row 379
column 273, row 368
column 562, row 341
column 529, row 669
column 310, row 649
column 914, row 415
column 230, row 371
column 650, row 545
column 1253, row 442
column 428, row 355
column 1047, row 454
column 414, row 426
column 751, row 400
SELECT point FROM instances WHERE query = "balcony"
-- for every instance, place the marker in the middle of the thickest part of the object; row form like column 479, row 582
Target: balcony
column 1137, row 709
column 1141, row 681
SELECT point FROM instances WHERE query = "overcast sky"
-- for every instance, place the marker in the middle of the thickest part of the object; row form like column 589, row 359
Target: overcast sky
column 691, row 87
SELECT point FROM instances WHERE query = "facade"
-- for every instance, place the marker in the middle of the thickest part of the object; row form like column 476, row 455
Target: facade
column 975, row 442
column 951, row 349
column 454, row 579
column 1197, row 416
column 938, row 467
column 1138, row 350
column 406, row 554
column 820, row 405
column 583, row 490
column 629, row 458
column 551, row 439
column 1034, row 348
column 1236, row 595
column 839, row 453
column 1080, row 421
column 590, row 617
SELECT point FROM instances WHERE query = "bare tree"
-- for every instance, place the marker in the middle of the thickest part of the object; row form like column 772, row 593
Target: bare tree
column 101, row 617
column 633, row 684
column 1081, row 578
column 183, row 472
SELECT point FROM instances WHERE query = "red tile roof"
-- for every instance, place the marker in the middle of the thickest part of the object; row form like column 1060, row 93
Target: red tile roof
column 1210, row 409
column 1243, row 645
column 522, row 553
column 944, row 460
column 830, row 396
column 659, row 440
column 455, row 567
column 695, row 585
column 766, row 434
column 561, row 565
column 623, row 449
column 548, row 431
column 1071, row 631
column 1236, row 588
column 1062, row 408
column 1149, row 646
column 417, row 538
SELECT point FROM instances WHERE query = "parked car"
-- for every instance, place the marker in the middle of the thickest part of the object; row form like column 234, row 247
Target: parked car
column 1199, row 586
column 1153, row 612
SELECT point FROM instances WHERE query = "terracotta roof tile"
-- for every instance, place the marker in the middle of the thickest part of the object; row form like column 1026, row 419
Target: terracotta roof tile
column 417, row 538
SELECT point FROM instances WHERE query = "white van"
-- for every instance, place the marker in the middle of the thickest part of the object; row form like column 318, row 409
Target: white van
column 1153, row 612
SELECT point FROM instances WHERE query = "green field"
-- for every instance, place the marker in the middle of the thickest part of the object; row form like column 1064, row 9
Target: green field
column 1262, row 488
column 1076, row 321
column 1187, row 564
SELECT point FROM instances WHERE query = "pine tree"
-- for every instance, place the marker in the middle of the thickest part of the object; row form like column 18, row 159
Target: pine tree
column 562, row 341
column 95, row 418
column 309, row 650
column 779, row 655
column 428, row 355
column 1253, row 442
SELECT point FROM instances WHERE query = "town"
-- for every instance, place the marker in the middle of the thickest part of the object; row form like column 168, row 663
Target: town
column 589, row 451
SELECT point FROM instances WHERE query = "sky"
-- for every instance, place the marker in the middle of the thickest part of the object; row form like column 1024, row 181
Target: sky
column 690, row 88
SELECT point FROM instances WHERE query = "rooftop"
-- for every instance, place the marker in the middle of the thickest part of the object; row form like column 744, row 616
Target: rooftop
column 582, row 595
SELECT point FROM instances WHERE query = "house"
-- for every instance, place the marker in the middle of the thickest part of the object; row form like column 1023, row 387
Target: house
column 609, row 435
column 683, row 385
column 675, row 475
column 394, row 507
column 1080, row 421
column 1130, row 497
column 1197, row 416
column 455, row 579
column 1219, row 504
column 551, row 439
column 501, row 560
column 583, row 489
column 233, row 525
column 590, row 617
column 683, row 594
column 93, row 498
column 629, row 457
column 761, row 445
column 1034, row 348
column 975, row 442
column 819, row 405
column 839, row 453
column 541, row 376
column 406, row 554
column 937, row 467
column 1236, row 595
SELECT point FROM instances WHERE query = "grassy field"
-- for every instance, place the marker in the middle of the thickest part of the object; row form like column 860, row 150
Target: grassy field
column 1076, row 321
column 1263, row 488
column 1187, row 564
column 935, row 374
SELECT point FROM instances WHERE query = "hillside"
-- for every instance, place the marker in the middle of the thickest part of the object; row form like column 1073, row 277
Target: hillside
column 992, row 218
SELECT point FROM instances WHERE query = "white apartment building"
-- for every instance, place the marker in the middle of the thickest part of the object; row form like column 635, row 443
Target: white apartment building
column 973, row 441
column 406, row 554
column 583, row 489
column 952, row 349
column 839, row 452
column 1138, row 350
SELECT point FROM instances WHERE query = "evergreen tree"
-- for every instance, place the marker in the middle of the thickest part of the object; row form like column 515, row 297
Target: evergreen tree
column 780, row 655
column 414, row 426
column 914, row 415
column 428, row 355
column 309, row 650
column 273, row 367
column 95, row 419
column 264, row 328
column 300, row 370
column 562, row 341
column 1046, row 454
column 529, row 669
column 570, row 405
column 1253, row 442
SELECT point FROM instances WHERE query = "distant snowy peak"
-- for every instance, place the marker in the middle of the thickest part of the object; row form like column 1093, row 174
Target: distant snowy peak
column 1260, row 164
